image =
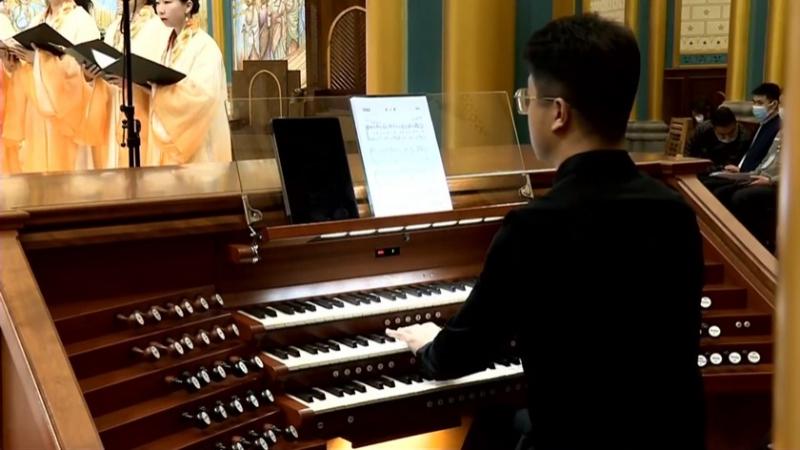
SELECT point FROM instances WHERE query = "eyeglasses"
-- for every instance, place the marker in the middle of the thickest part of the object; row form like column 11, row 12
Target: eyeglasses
column 523, row 100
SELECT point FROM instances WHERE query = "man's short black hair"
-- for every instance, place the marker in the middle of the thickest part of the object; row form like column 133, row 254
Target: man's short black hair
column 722, row 117
column 770, row 90
column 593, row 64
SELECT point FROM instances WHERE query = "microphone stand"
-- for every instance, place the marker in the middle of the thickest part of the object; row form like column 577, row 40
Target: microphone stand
column 130, row 125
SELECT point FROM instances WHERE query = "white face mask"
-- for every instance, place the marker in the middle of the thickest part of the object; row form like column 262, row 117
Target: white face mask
column 726, row 140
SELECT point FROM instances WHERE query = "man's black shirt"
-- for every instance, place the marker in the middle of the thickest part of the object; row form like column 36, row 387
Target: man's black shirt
column 599, row 283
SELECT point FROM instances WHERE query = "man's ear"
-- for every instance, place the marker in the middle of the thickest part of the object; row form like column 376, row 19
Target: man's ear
column 563, row 115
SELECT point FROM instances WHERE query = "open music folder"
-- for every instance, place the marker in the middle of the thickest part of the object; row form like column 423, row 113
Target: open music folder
column 44, row 37
column 112, row 62
column 98, row 53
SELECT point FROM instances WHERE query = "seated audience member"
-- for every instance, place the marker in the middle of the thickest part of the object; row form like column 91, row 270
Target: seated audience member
column 766, row 104
column 754, row 201
column 721, row 139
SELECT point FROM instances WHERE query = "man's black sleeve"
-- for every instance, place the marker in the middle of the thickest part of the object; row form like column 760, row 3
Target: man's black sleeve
column 484, row 326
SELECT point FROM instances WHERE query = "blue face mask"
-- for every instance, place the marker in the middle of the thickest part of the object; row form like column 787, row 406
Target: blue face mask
column 760, row 112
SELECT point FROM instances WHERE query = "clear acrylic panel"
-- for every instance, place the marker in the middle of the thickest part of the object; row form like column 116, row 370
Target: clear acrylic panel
column 475, row 133
column 118, row 185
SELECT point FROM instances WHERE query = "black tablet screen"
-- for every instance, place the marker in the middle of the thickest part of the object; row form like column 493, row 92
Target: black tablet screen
column 313, row 164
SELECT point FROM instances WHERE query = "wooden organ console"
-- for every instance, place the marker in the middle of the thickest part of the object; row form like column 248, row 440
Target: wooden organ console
column 138, row 313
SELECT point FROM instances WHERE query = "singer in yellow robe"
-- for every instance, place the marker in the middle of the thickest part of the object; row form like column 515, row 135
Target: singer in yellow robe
column 56, row 98
column 6, row 31
column 149, row 38
column 188, row 120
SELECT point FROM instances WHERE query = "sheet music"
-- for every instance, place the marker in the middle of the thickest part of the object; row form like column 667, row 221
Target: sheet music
column 102, row 59
column 403, row 167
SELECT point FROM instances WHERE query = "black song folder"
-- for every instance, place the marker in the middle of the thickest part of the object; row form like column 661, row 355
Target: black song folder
column 45, row 37
column 112, row 62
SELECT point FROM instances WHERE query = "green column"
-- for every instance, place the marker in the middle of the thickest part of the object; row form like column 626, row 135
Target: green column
column 757, row 51
column 531, row 15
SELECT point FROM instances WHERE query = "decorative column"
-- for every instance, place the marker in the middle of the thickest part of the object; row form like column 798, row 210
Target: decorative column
column 737, row 50
column 479, row 56
column 563, row 8
column 386, row 46
column 786, row 393
column 657, row 49
column 776, row 41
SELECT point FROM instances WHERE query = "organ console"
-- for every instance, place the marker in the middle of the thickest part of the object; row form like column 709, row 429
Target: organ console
column 204, row 349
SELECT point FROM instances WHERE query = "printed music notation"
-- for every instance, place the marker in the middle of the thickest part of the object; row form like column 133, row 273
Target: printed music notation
column 402, row 163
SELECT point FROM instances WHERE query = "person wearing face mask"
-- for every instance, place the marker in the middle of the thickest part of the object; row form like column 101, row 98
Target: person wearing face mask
column 600, row 238
column 754, row 201
column 721, row 139
column 766, row 102
column 188, row 120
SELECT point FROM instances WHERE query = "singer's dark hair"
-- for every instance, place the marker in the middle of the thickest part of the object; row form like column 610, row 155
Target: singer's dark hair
column 195, row 6
column 85, row 4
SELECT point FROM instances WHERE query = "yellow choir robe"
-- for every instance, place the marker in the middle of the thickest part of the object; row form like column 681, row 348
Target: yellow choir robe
column 188, row 120
column 7, row 165
column 149, row 38
column 48, row 119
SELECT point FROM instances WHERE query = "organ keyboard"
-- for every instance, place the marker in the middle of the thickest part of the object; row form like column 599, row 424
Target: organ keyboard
column 353, row 305
column 202, row 352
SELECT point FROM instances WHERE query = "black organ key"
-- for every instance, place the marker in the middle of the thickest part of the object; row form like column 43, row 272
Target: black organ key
column 297, row 306
column 349, row 342
column 334, row 390
column 375, row 298
column 416, row 378
column 322, row 303
column 424, row 290
column 377, row 384
column 309, row 348
column 349, row 299
column 388, row 338
column 286, row 309
column 318, row 394
column 410, row 290
column 323, row 347
column 377, row 338
column 334, row 346
column 434, row 288
column 306, row 397
column 307, row 305
column 269, row 312
column 335, row 302
column 356, row 387
column 470, row 283
column 388, row 295
column 292, row 352
column 361, row 341
column 405, row 379
column 399, row 293
column 450, row 287
column 388, row 382
column 365, row 300
column 504, row 363
column 347, row 389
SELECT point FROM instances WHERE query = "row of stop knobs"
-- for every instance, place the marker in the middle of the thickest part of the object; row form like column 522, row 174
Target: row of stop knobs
column 218, row 371
column 184, row 308
column 186, row 343
column 223, row 410
column 259, row 440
